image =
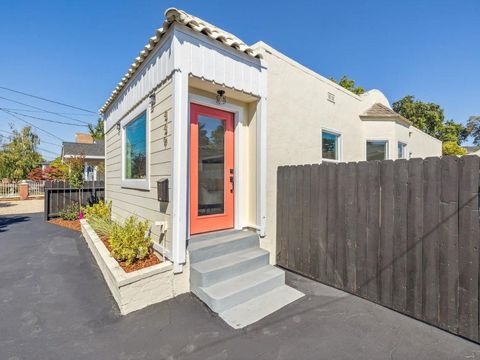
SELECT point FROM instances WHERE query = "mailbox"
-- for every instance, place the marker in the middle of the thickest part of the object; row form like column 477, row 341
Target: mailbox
column 162, row 190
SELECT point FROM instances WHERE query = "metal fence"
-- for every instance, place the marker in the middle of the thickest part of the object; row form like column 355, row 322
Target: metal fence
column 404, row 234
column 36, row 188
column 8, row 190
column 60, row 194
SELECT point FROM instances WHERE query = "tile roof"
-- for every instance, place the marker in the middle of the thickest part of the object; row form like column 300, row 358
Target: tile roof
column 76, row 149
column 378, row 110
column 174, row 15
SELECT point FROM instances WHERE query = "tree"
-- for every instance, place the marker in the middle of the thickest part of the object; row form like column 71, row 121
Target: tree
column 76, row 167
column 428, row 117
column 97, row 130
column 36, row 174
column 19, row 156
column 452, row 148
column 349, row 84
column 60, row 167
column 473, row 128
column 452, row 131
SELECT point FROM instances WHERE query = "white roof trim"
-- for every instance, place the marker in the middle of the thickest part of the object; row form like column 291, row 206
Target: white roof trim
column 174, row 15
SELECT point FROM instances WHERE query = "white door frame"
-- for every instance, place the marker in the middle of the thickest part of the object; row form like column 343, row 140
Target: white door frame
column 239, row 146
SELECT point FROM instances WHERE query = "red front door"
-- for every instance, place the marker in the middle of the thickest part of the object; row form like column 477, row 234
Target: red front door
column 211, row 169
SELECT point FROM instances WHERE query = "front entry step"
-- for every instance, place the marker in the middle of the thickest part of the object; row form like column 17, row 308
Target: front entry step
column 231, row 274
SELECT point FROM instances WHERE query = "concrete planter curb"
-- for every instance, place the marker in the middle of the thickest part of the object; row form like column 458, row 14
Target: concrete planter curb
column 135, row 290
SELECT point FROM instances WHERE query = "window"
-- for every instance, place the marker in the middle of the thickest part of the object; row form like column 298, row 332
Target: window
column 136, row 149
column 377, row 149
column 330, row 146
column 402, row 151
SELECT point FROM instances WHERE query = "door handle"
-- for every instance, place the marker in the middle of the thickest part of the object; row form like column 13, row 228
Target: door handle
column 232, row 181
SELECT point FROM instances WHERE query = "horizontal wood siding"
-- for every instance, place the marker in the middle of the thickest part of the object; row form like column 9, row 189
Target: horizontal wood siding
column 144, row 204
column 404, row 234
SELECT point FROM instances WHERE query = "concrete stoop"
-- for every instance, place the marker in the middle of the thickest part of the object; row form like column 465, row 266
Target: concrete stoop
column 231, row 274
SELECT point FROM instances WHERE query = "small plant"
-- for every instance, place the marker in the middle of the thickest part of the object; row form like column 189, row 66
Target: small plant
column 100, row 210
column 102, row 226
column 70, row 212
column 130, row 242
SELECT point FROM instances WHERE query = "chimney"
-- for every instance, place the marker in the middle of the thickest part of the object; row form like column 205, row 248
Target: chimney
column 83, row 138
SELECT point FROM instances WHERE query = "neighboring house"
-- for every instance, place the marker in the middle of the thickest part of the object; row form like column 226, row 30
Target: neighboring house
column 92, row 150
column 216, row 117
column 44, row 164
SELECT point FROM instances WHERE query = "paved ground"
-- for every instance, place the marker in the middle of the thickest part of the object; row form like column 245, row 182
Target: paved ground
column 21, row 207
column 54, row 305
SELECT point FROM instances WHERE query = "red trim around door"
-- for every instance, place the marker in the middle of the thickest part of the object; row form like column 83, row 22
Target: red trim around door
column 205, row 186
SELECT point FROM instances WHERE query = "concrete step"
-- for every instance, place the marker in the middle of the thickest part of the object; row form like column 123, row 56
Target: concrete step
column 221, row 268
column 259, row 307
column 226, row 294
column 213, row 235
column 222, row 244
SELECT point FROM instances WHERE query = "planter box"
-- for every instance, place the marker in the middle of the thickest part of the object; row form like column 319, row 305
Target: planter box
column 135, row 290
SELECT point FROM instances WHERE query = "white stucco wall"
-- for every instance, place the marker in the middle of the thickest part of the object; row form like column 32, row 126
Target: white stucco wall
column 298, row 110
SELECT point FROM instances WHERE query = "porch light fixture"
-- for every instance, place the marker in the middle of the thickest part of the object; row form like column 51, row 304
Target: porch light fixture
column 221, row 98
column 118, row 125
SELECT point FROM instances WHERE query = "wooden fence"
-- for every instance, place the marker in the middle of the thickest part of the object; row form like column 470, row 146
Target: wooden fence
column 404, row 234
column 59, row 195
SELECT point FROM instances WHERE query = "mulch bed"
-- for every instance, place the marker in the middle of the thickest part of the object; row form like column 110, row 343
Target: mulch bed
column 150, row 260
column 71, row 224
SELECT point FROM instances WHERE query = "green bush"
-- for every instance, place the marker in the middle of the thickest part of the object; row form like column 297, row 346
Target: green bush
column 70, row 212
column 102, row 226
column 130, row 242
column 100, row 210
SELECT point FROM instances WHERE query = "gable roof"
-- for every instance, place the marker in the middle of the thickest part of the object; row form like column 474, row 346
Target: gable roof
column 76, row 149
column 173, row 15
column 380, row 111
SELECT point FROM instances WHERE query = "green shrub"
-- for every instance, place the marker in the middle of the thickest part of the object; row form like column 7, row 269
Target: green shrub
column 101, row 210
column 70, row 212
column 102, row 226
column 130, row 241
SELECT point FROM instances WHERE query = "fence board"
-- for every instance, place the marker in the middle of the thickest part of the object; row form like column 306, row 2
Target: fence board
column 468, row 247
column 362, row 228
column 373, row 227
column 351, row 226
column 403, row 233
column 386, row 232
column 399, row 281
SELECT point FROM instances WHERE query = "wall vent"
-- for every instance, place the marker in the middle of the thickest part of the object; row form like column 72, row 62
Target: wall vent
column 331, row 97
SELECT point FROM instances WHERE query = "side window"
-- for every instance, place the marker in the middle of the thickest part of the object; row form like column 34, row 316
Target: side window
column 330, row 146
column 377, row 149
column 402, row 150
column 135, row 149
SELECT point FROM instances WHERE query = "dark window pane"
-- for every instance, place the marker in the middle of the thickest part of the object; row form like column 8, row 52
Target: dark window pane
column 136, row 148
column 211, row 166
column 401, row 151
column 376, row 150
column 329, row 146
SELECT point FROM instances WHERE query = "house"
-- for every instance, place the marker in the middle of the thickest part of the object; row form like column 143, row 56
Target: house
column 209, row 118
column 93, row 152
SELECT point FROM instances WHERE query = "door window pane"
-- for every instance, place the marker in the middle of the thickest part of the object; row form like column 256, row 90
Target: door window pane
column 329, row 145
column 211, row 166
column 402, row 151
column 377, row 150
column 136, row 148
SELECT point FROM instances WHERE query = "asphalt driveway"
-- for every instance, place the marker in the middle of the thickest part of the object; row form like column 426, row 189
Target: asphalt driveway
column 55, row 305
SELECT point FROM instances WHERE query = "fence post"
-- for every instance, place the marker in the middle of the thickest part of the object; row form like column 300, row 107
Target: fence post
column 23, row 190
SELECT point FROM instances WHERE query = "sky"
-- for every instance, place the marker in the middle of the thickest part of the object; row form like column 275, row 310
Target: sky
column 75, row 52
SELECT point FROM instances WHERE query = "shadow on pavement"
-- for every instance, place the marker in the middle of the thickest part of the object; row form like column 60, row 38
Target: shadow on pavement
column 6, row 221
